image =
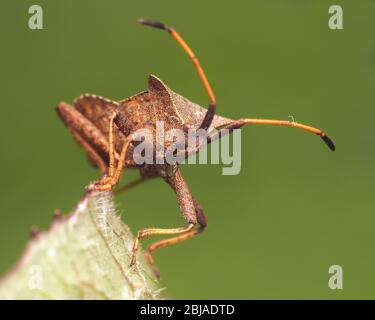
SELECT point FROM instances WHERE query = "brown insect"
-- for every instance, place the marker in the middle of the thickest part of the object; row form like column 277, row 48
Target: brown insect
column 105, row 129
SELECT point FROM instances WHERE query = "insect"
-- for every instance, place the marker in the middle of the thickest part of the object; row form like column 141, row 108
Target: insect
column 105, row 129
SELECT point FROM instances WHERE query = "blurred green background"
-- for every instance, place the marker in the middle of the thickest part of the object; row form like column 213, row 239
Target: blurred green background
column 294, row 210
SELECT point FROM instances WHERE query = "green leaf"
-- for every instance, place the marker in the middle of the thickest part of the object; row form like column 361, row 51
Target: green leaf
column 85, row 255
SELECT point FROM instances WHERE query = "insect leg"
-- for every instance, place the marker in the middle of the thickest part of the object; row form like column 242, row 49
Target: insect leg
column 108, row 182
column 206, row 122
column 111, row 146
column 85, row 133
column 191, row 212
column 202, row 221
column 76, row 121
column 120, row 164
column 150, row 232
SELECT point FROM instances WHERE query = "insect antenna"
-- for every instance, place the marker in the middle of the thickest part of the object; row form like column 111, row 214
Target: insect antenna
column 207, row 120
column 239, row 123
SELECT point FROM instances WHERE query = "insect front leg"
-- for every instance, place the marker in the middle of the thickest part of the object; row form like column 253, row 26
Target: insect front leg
column 114, row 172
column 202, row 221
column 192, row 213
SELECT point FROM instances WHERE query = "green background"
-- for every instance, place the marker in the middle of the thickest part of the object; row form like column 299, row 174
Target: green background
column 294, row 210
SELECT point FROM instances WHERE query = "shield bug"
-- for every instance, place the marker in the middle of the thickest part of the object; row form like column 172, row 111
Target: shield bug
column 106, row 131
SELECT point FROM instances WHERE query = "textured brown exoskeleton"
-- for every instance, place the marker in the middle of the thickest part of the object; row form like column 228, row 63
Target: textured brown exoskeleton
column 105, row 129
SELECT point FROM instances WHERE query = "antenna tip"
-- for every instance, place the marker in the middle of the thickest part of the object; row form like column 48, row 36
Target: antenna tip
column 154, row 24
column 328, row 141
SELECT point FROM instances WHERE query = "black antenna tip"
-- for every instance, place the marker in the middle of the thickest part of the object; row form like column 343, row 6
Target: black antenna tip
column 151, row 23
column 328, row 142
